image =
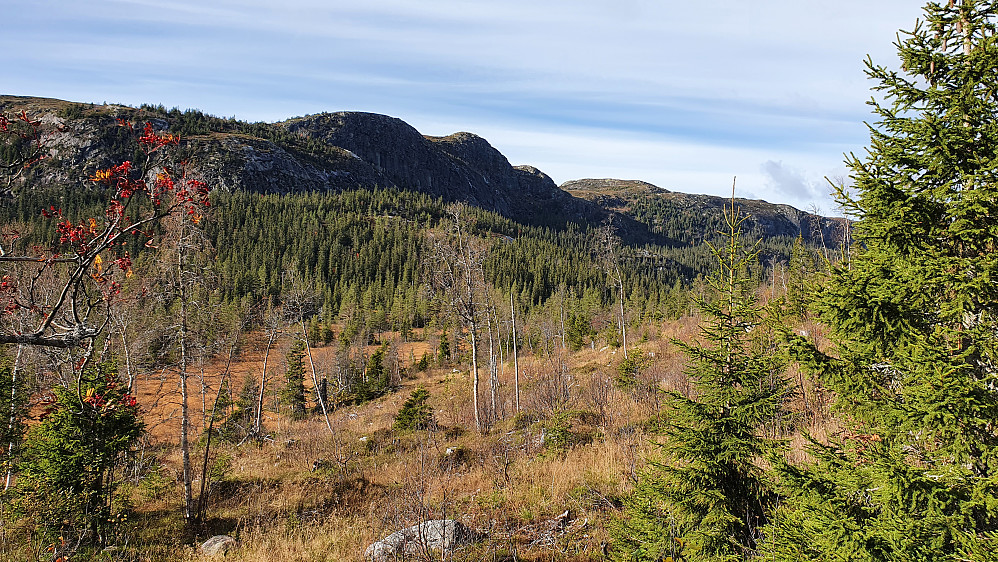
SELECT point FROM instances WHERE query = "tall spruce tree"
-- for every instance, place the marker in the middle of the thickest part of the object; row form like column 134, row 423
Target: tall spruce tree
column 707, row 498
column 915, row 474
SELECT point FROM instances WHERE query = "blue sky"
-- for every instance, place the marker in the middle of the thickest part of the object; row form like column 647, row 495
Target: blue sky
column 684, row 95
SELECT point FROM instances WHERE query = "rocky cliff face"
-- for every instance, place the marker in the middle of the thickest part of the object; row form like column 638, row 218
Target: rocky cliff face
column 237, row 162
column 329, row 151
column 458, row 167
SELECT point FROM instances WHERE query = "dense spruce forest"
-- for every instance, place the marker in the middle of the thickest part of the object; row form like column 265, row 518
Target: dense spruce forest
column 333, row 338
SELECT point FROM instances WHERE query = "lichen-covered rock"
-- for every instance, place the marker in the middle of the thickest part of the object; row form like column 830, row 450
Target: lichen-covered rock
column 218, row 545
column 439, row 535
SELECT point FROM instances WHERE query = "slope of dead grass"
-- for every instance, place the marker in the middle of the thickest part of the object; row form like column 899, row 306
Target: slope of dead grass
column 306, row 493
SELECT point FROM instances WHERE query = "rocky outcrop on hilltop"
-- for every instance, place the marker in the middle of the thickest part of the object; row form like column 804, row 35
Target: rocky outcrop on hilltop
column 458, row 167
column 324, row 152
column 242, row 163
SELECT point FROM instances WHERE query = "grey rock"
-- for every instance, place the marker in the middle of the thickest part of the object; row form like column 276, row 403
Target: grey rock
column 218, row 545
column 442, row 535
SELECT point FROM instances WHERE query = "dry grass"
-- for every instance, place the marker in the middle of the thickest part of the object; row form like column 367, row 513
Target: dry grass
column 577, row 447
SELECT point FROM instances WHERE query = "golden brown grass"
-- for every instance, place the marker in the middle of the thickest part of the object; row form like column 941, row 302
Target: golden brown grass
column 578, row 451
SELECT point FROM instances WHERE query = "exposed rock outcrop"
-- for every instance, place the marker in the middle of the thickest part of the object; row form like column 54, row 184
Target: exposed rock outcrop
column 656, row 207
column 458, row 167
column 442, row 536
column 242, row 163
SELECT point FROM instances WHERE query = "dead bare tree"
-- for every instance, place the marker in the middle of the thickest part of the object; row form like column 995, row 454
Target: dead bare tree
column 185, row 283
column 234, row 326
column 13, row 417
column 516, row 364
column 607, row 250
column 299, row 305
column 274, row 328
column 495, row 358
column 459, row 277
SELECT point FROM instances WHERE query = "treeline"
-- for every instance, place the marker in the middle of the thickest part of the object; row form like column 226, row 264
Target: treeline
column 363, row 252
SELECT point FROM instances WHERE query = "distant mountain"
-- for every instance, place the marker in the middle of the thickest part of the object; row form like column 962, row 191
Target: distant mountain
column 686, row 219
column 348, row 150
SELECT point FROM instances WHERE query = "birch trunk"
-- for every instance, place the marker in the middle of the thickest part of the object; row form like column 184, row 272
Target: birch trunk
column 185, row 418
column 516, row 364
column 258, row 422
column 315, row 379
column 12, row 418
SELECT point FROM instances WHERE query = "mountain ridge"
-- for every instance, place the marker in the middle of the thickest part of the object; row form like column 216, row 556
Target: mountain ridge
column 344, row 150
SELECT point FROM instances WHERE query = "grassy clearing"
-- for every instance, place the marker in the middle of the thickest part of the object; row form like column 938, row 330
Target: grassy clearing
column 307, row 494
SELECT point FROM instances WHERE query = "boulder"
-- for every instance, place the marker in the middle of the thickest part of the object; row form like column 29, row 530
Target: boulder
column 443, row 535
column 218, row 545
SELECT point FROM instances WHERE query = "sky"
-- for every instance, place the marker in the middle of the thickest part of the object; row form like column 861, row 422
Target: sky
column 684, row 95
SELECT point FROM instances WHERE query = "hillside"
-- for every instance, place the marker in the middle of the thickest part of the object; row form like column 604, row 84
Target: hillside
column 333, row 152
column 343, row 220
column 686, row 219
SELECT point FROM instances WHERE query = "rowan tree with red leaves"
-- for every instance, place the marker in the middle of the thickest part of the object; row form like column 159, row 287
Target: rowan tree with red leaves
column 60, row 295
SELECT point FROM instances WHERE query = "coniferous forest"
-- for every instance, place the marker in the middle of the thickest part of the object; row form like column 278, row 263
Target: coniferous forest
column 387, row 372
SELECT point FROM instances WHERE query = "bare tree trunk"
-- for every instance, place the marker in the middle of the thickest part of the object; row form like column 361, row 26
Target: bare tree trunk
column 461, row 277
column 561, row 313
column 493, row 386
column 128, row 362
column 623, row 326
column 258, row 422
column 474, row 377
column 315, row 379
column 12, row 419
column 202, row 499
column 185, row 418
column 499, row 343
column 608, row 251
column 204, row 394
column 516, row 364
column 471, row 312
column 118, row 317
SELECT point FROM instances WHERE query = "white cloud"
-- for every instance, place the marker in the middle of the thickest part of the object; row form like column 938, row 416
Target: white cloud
column 669, row 92
column 788, row 182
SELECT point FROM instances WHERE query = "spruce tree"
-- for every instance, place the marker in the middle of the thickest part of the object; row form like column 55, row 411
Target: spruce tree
column 802, row 277
column 294, row 389
column 71, row 466
column 707, row 497
column 914, row 476
column 415, row 412
column 377, row 380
